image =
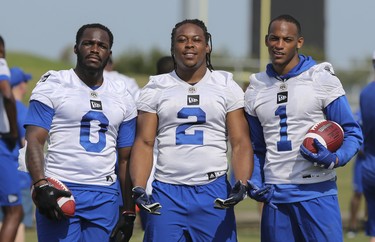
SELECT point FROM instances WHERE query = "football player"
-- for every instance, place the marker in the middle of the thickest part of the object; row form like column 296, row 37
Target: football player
column 85, row 118
column 192, row 112
column 298, row 186
column 367, row 102
column 10, row 190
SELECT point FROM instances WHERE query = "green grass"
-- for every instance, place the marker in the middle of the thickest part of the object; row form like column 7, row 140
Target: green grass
column 246, row 211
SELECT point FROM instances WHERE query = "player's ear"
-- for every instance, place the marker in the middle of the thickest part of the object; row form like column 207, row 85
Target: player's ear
column 265, row 39
column 300, row 42
column 75, row 49
column 208, row 49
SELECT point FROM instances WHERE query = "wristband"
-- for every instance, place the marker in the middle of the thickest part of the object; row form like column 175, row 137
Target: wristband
column 129, row 216
column 128, row 212
column 43, row 179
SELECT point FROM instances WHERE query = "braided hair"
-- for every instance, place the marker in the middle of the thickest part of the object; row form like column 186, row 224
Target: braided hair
column 207, row 37
column 2, row 47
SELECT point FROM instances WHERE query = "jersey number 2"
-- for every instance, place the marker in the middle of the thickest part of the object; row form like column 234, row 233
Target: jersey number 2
column 197, row 137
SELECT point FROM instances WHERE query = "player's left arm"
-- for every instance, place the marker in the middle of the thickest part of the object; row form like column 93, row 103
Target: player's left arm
column 241, row 157
column 124, row 227
column 125, row 142
column 339, row 111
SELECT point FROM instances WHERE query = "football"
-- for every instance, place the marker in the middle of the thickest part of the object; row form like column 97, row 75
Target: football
column 67, row 204
column 329, row 133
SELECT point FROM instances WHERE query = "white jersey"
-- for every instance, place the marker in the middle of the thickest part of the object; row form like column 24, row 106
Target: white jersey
column 286, row 110
column 5, row 75
column 85, row 125
column 192, row 134
column 131, row 84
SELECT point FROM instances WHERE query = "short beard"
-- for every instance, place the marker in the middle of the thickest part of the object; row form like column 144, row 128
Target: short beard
column 82, row 64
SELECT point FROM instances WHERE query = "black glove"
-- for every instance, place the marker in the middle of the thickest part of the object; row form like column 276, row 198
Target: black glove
column 124, row 228
column 143, row 201
column 46, row 201
column 237, row 194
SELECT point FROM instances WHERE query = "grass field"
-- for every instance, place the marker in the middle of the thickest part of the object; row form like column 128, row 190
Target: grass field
column 246, row 211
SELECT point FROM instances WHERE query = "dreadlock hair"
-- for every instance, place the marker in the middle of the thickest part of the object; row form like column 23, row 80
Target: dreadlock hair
column 2, row 43
column 289, row 19
column 207, row 37
column 96, row 26
column 2, row 47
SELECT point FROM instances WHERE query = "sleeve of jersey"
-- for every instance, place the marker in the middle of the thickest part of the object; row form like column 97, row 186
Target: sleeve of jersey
column 330, row 86
column 126, row 134
column 48, row 90
column 259, row 147
column 4, row 70
column 147, row 99
column 340, row 112
column 235, row 97
column 4, row 78
column 39, row 115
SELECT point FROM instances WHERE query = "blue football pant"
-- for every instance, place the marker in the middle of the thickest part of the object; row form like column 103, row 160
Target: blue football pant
column 315, row 220
column 10, row 187
column 96, row 215
column 369, row 193
column 188, row 213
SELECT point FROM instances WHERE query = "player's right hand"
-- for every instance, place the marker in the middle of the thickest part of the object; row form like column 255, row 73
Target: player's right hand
column 263, row 194
column 323, row 158
column 143, row 201
column 123, row 230
column 46, row 201
column 237, row 194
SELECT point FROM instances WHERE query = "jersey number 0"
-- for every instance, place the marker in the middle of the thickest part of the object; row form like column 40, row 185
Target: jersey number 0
column 85, row 131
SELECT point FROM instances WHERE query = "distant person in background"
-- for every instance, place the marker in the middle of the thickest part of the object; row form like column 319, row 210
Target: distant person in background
column 18, row 81
column 10, row 190
column 355, row 200
column 367, row 107
column 164, row 65
column 8, row 112
column 131, row 83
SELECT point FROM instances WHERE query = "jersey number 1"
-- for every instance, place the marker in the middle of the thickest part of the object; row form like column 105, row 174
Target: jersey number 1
column 284, row 144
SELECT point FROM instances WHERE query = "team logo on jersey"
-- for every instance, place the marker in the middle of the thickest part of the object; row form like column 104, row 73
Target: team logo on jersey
column 45, row 77
column 96, row 105
column 211, row 175
column 93, row 94
column 282, row 97
column 330, row 70
column 193, row 100
column 283, row 87
column 192, row 89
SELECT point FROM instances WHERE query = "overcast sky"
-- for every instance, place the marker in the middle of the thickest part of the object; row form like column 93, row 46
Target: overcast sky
column 46, row 27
